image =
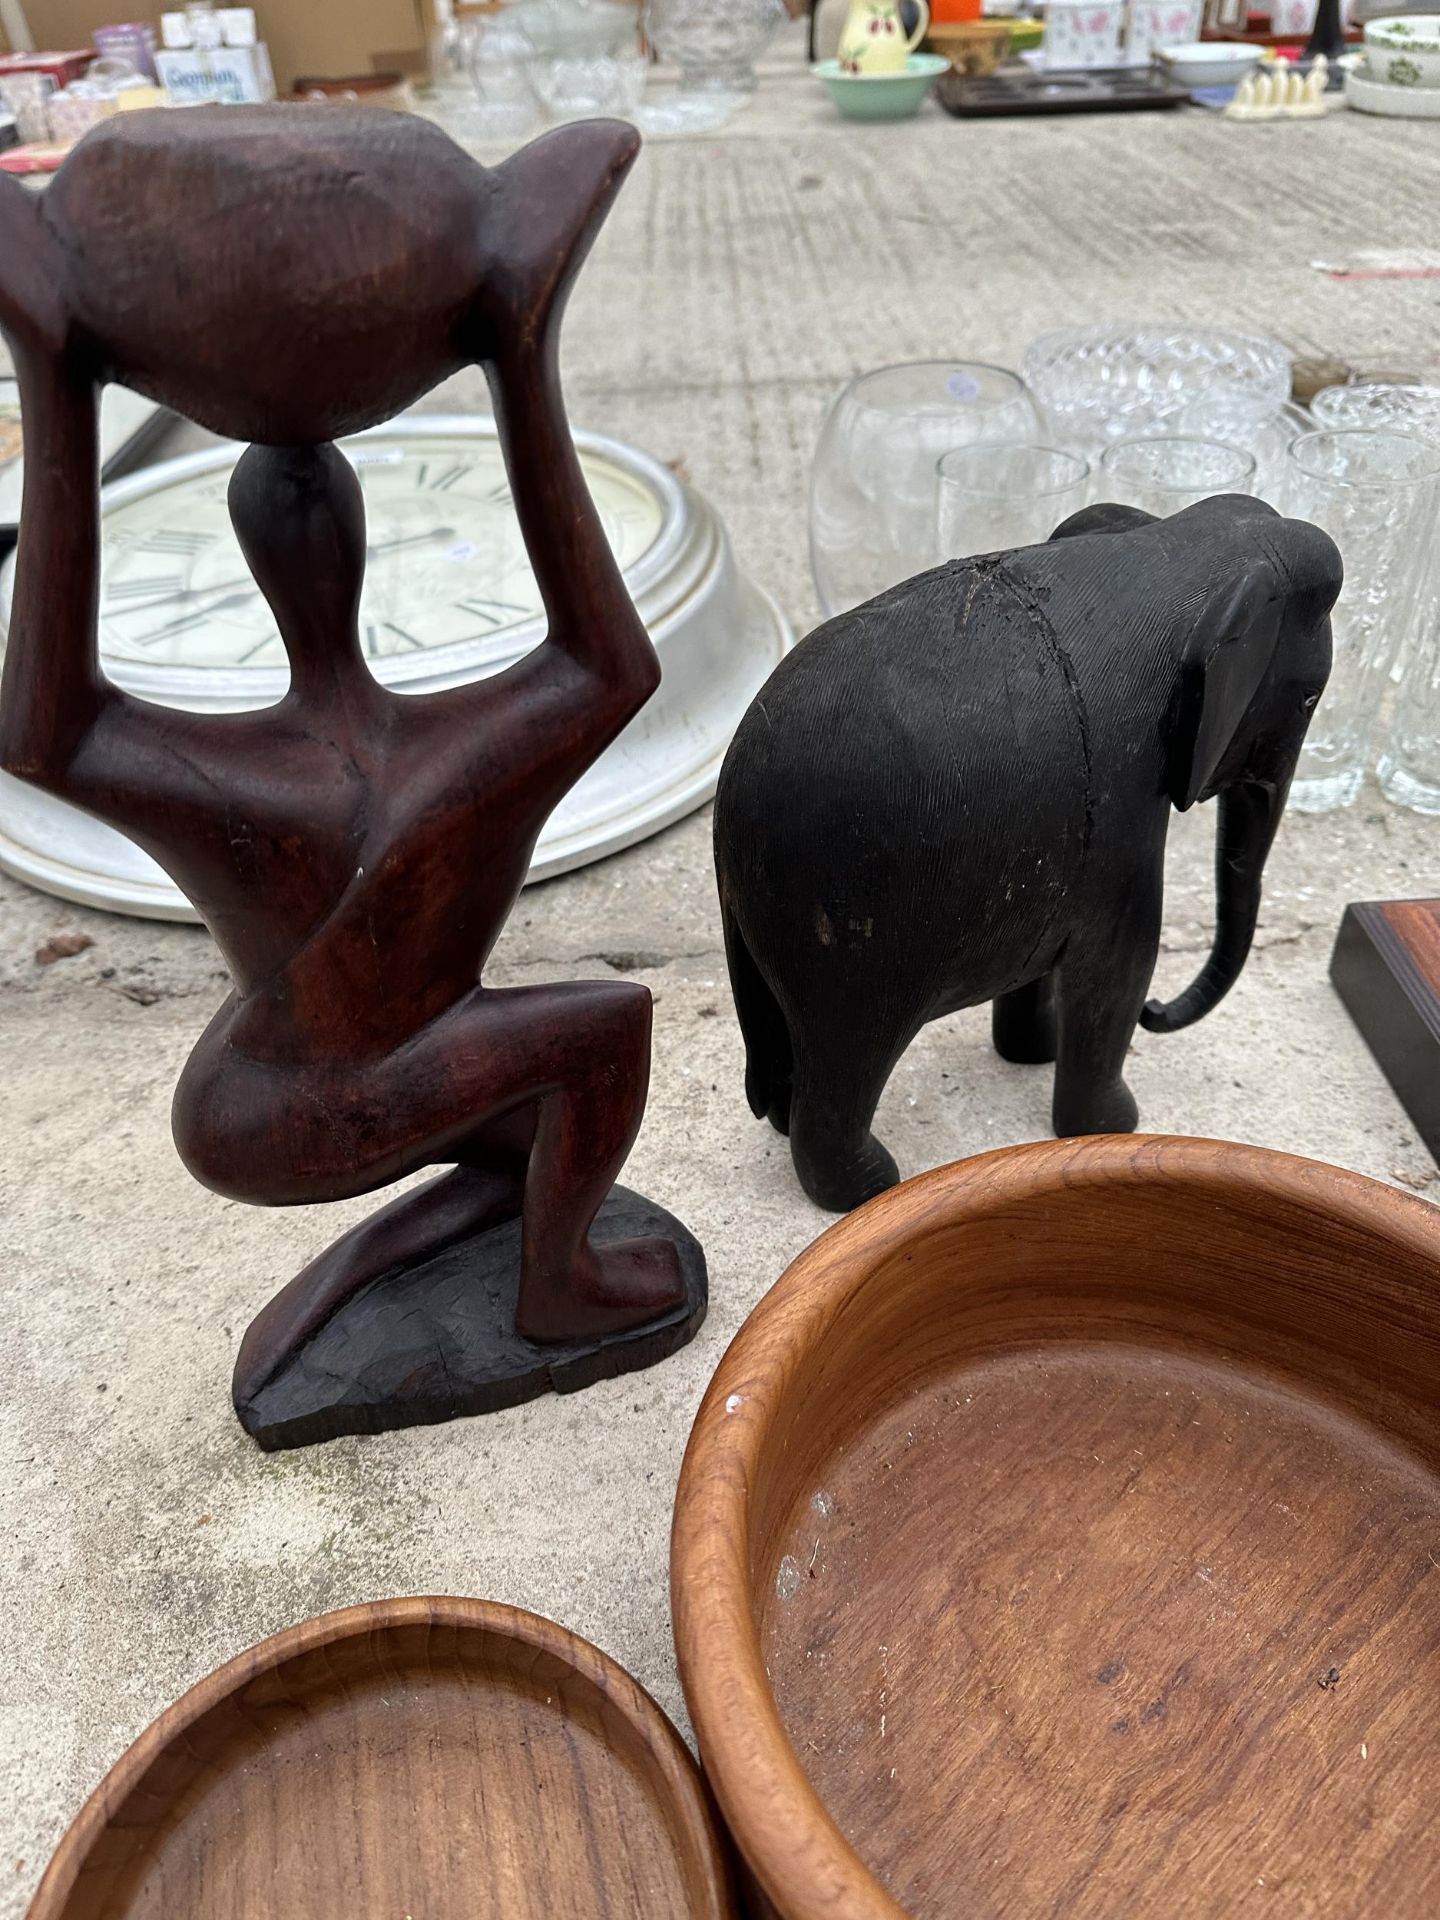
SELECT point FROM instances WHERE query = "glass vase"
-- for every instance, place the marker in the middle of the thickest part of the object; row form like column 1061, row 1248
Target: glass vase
column 1376, row 494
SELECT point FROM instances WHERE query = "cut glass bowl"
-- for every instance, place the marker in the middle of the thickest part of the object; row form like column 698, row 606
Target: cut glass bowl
column 1104, row 383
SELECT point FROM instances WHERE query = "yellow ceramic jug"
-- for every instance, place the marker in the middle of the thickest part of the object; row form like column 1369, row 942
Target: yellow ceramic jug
column 873, row 39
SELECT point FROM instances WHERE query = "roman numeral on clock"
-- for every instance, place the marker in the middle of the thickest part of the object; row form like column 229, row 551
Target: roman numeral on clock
column 153, row 587
column 175, row 541
column 375, row 630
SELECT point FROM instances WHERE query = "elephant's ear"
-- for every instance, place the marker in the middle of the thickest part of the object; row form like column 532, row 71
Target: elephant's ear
column 1226, row 658
column 1107, row 517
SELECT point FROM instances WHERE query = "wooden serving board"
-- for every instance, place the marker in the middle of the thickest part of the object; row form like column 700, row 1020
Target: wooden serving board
column 1386, row 969
column 438, row 1759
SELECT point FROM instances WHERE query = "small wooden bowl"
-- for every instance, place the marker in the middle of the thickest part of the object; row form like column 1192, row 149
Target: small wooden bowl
column 450, row 1759
column 973, row 47
column 1061, row 1536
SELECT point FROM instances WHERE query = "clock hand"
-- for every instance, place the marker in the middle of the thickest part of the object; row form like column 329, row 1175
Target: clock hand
column 224, row 586
column 410, row 540
column 193, row 593
column 194, row 619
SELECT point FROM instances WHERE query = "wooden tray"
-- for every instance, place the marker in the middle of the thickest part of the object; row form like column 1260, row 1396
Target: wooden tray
column 1105, row 90
column 1061, row 1536
column 441, row 1759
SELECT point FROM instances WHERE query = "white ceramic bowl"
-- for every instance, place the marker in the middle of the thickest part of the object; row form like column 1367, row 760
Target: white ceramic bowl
column 1395, row 103
column 1404, row 51
column 1208, row 63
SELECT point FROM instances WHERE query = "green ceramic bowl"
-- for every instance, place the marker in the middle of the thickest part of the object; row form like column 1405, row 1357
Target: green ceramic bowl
column 882, row 96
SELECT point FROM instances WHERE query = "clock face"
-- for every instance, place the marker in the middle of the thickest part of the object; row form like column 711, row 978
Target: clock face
column 9, row 422
column 446, row 564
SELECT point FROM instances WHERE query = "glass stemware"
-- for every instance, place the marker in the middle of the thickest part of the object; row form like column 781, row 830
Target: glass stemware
column 875, row 483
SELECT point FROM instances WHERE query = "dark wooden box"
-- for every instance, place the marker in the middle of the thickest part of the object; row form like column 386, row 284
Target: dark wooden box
column 1386, row 969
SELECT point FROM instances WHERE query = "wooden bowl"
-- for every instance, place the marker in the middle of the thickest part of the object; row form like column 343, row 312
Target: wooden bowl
column 1061, row 1537
column 973, row 47
column 435, row 1758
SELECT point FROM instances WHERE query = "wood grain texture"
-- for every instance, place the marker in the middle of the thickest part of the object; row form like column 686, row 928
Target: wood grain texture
column 961, row 791
column 1386, row 969
column 1062, row 1535
column 355, row 852
column 437, row 1758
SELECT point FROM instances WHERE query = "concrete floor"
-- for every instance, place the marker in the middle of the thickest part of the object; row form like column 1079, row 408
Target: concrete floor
column 147, row 1539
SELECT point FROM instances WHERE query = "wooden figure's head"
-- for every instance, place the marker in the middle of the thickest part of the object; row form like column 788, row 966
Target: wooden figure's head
column 296, row 273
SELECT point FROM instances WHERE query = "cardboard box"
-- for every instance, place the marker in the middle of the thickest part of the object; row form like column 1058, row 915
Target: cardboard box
column 224, row 76
column 322, row 38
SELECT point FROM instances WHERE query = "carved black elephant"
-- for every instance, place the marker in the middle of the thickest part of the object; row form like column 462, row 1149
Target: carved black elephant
column 961, row 791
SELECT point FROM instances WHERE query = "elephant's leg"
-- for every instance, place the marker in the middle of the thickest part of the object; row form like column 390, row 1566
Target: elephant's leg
column 836, row 1091
column 1101, row 985
column 1022, row 1023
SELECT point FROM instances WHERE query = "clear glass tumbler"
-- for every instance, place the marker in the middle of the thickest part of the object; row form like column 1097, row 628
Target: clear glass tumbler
column 995, row 498
column 1409, row 766
column 875, row 481
column 1163, row 475
column 1376, row 494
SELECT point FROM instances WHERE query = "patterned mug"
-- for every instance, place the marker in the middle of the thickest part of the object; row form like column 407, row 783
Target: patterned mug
column 1160, row 23
column 1292, row 17
column 1083, row 33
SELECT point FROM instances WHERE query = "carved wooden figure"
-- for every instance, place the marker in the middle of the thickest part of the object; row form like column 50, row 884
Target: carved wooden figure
column 286, row 275
column 961, row 791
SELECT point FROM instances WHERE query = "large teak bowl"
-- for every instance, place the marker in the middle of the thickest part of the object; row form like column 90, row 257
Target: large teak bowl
column 1061, row 1537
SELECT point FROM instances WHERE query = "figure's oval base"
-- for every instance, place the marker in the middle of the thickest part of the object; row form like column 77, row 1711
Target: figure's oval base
column 437, row 1340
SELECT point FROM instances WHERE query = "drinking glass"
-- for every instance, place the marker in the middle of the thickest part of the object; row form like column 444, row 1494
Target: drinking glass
column 998, row 497
column 1376, row 494
column 875, row 481
column 1161, row 476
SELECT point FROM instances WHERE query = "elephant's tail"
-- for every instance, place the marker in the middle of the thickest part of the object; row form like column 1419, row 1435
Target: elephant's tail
column 769, row 1052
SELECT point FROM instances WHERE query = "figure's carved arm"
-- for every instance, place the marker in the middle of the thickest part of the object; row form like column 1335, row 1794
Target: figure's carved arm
column 592, row 620
column 30, row 311
column 53, row 689
column 596, row 668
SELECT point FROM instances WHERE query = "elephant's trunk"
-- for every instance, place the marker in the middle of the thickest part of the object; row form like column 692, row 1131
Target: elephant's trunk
column 1249, row 814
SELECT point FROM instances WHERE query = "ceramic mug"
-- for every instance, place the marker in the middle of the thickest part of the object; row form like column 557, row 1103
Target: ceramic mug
column 1083, row 33
column 1160, row 23
column 873, row 37
column 1295, row 17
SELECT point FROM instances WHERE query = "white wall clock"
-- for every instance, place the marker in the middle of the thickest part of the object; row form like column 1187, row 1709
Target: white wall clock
column 449, row 596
